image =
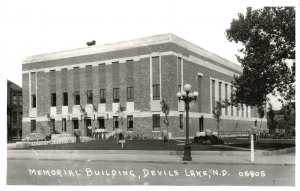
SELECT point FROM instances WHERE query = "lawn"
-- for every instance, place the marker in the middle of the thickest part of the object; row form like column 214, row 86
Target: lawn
column 130, row 145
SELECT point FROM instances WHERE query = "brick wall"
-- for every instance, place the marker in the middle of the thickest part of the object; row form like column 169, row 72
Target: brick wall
column 169, row 86
column 40, row 99
column 122, row 75
column 25, row 94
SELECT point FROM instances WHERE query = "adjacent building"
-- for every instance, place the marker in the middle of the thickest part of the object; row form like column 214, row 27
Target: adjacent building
column 120, row 86
column 14, row 111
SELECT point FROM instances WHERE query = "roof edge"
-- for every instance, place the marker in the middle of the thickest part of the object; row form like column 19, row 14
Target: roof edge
column 152, row 40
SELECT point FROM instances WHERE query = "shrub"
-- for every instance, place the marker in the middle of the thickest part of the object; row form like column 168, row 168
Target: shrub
column 212, row 140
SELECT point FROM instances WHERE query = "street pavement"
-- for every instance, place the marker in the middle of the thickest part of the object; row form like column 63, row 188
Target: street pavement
column 125, row 167
column 229, row 157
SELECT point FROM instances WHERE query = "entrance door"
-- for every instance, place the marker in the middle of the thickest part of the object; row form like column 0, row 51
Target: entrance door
column 88, row 123
column 101, row 122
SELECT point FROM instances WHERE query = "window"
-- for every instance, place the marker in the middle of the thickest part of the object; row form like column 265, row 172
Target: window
column 33, row 100
column 231, row 107
column 21, row 100
column 179, row 60
column 101, row 122
column 130, row 93
column 64, row 124
column 102, row 96
column 181, row 121
column 156, row 121
column 15, row 117
column 65, row 98
column 213, row 97
column 53, row 99
column 116, row 95
column 89, row 94
column 220, row 91
column 226, row 97
column 116, row 122
column 242, row 110
column 20, row 117
column 14, row 100
column 179, row 88
column 77, row 98
column 75, row 124
column 52, row 124
column 33, row 126
column 129, row 123
column 156, row 92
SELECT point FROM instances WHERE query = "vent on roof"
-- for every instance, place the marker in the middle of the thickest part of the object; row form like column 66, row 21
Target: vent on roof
column 91, row 43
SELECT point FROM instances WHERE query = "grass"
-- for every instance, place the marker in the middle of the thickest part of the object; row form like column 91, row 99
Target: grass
column 130, row 145
column 156, row 145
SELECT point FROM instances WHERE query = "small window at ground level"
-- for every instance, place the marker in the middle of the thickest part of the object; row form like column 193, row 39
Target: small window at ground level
column 33, row 126
column 75, row 124
column 64, row 124
column 52, row 123
column 101, row 123
column 130, row 122
column 156, row 121
column 116, row 122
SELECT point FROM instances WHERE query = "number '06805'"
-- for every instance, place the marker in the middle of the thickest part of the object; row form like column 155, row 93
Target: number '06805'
column 252, row 174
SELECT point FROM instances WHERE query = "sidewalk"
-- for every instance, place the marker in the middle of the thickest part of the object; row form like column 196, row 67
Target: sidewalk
column 200, row 157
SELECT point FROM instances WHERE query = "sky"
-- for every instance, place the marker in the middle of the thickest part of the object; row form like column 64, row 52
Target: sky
column 34, row 27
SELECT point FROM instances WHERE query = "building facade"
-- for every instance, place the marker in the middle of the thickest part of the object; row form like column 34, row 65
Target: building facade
column 14, row 111
column 120, row 86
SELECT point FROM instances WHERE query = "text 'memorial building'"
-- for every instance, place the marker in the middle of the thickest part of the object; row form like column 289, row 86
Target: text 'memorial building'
column 120, row 86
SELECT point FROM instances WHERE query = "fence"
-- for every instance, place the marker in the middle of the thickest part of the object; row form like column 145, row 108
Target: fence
column 235, row 134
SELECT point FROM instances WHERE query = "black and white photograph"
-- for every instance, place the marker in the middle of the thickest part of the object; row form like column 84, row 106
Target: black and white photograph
column 148, row 93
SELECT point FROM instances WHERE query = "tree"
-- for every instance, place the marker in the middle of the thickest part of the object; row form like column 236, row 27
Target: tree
column 120, row 113
column 217, row 112
column 165, row 108
column 289, row 116
column 268, row 39
column 261, row 114
column 271, row 119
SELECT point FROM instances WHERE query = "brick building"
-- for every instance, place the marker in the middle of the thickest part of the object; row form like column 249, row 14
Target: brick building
column 14, row 111
column 68, row 91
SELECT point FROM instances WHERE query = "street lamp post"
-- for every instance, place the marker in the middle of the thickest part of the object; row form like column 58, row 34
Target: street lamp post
column 187, row 96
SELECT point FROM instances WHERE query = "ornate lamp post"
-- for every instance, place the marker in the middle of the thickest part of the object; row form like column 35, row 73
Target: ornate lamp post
column 187, row 96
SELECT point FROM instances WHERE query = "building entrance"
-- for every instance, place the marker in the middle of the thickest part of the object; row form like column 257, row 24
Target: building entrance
column 88, row 127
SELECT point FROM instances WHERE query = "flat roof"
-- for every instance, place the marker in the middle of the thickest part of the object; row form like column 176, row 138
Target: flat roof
column 158, row 39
